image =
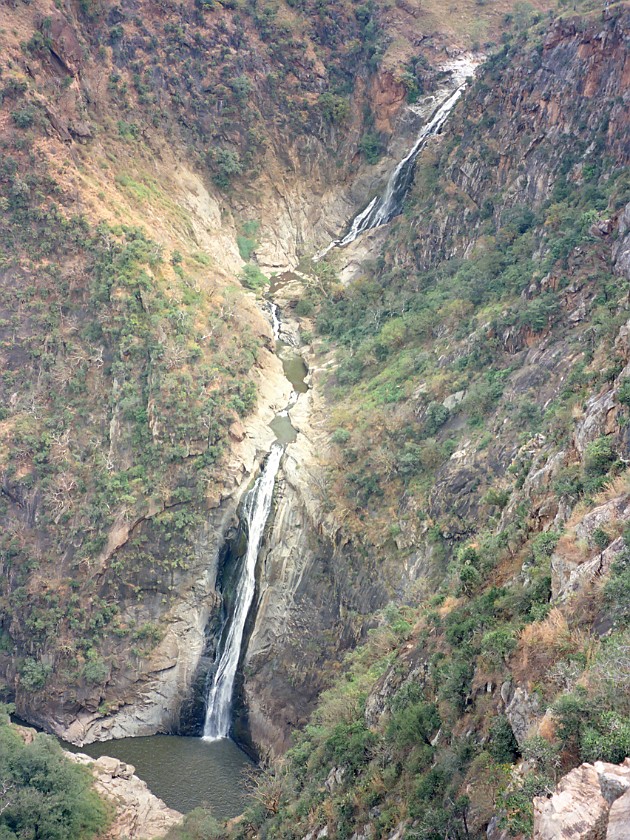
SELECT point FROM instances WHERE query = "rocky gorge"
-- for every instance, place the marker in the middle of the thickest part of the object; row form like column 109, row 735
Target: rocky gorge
column 441, row 577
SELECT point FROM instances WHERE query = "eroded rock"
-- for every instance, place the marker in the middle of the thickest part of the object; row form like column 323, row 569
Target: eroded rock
column 522, row 711
column 139, row 814
column 576, row 811
column 592, row 802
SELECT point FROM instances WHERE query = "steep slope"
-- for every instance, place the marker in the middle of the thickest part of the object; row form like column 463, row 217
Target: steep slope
column 479, row 412
column 137, row 378
column 467, row 348
column 142, row 144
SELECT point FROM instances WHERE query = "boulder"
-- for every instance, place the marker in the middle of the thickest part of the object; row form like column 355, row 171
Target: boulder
column 592, row 802
column 571, row 570
column 139, row 815
column 619, row 819
column 522, row 712
column 576, row 811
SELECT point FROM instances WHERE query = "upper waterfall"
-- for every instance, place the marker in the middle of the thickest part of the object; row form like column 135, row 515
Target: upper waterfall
column 382, row 208
column 256, row 512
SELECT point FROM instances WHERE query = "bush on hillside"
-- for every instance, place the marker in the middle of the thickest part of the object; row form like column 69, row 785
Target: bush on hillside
column 45, row 795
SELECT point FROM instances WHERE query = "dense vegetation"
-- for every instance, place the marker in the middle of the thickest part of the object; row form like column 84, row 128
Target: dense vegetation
column 43, row 795
column 463, row 363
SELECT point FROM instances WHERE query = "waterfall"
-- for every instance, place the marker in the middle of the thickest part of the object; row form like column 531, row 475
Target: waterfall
column 256, row 512
column 383, row 208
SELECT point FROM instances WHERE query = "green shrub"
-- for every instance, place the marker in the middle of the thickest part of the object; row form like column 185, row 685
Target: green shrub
column 25, row 117
column 371, row 147
column 340, row 436
column 544, row 544
column 349, row 744
column 623, row 392
column 95, row 671
column 502, row 745
column 571, row 712
column 226, row 165
column 496, row 645
column 517, row 803
column 34, row 674
column 47, row 796
column 336, row 109
column 199, row 824
column 617, row 590
column 414, row 723
column 599, row 456
column 607, row 739
column 600, row 538
column 304, row 308
column 252, row 277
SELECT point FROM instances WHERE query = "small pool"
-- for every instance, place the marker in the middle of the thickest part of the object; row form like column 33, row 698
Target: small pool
column 184, row 772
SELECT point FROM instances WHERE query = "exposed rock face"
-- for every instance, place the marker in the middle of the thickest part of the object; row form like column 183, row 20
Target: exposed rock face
column 297, row 604
column 621, row 248
column 139, row 815
column 590, row 803
column 619, row 818
column 573, row 566
column 564, row 90
column 522, row 710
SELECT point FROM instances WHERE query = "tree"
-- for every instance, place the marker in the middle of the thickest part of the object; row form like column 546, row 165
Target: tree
column 43, row 795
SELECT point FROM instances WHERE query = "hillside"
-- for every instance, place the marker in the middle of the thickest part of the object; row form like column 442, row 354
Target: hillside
column 477, row 411
column 440, row 627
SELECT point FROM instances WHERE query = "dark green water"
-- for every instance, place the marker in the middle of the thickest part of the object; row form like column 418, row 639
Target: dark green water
column 294, row 367
column 184, row 772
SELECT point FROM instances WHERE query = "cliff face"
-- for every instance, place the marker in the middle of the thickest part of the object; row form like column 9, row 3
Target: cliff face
column 137, row 380
column 378, row 516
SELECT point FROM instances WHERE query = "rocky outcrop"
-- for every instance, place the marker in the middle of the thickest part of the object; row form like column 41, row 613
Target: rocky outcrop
column 591, row 802
column 577, row 561
column 297, row 602
column 565, row 89
column 139, row 815
column 522, row 711
column 621, row 248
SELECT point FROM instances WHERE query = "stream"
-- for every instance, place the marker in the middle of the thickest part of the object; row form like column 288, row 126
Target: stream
column 186, row 772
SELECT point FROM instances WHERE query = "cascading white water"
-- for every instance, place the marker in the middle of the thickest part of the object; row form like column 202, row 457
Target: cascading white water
column 256, row 512
column 384, row 207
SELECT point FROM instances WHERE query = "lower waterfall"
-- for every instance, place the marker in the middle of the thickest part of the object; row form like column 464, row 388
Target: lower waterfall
column 256, row 512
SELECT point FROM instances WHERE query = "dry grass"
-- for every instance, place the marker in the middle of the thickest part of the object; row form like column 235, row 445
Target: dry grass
column 545, row 643
column 463, row 23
